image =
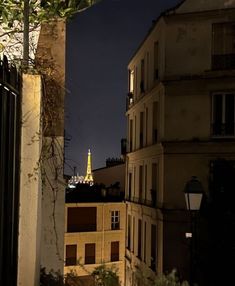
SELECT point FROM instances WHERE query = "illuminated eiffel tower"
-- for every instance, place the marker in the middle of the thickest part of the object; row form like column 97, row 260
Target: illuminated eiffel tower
column 88, row 178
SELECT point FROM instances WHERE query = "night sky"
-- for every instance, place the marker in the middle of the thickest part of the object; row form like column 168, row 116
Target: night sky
column 100, row 42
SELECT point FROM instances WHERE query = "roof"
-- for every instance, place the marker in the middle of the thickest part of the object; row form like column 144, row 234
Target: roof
column 95, row 193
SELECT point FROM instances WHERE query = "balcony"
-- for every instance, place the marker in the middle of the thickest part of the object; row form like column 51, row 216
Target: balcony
column 223, row 129
column 141, row 201
column 223, row 62
column 129, row 100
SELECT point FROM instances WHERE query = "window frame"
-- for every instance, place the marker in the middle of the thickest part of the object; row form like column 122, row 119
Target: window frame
column 115, row 224
column 88, row 258
column 67, row 259
column 223, row 115
column 113, row 255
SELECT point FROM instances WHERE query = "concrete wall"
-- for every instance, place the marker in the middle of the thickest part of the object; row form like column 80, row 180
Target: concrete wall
column 50, row 60
column 102, row 238
column 30, row 183
column 110, row 175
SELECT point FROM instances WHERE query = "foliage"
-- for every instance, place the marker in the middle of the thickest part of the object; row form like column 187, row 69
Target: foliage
column 50, row 279
column 12, row 19
column 105, row 276
column 170, row 279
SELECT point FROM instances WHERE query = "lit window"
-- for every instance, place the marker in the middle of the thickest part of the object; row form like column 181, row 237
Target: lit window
column 131, row 81
column 115, row 220
column 223, row 114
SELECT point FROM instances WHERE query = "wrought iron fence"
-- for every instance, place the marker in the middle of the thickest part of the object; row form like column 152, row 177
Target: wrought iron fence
column 9, row 170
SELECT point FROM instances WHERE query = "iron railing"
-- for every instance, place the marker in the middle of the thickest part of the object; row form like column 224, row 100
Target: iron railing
column 10, row 102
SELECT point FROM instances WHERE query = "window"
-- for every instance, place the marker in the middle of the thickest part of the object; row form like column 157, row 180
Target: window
column 133, row 235
column 129, row 186
column 115, row 251
column 155, row 122
column 90, row 253
column 223, row 114
column 139, row 238
column 71, row 255
column 145, row 240
column 131, row 81
column 115, row 220
column 154, row 184
column 131, row 136
column 223, row 46
column 156, row 61
column 146, row 126
column 129, row 232
column 141, row 129
column 140, row 184
column 142, row 75
column 81, row 219
column 153, row 247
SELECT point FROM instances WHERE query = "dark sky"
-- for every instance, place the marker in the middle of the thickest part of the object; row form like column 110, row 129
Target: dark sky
column 100, row 42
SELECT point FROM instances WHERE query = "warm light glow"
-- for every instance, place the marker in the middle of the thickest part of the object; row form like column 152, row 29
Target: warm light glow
column 131, row 81
column 89, row 178
column 193, row 201
column 188, row 234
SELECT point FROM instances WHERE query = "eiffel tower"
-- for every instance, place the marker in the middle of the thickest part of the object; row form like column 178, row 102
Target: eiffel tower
column 89, row 177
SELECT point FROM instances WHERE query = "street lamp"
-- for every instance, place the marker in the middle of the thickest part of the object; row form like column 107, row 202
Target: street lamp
column 193, row 196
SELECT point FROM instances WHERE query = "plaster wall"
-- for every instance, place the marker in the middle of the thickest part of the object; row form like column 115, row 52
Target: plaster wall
column 30, row 183
column 102, row 238
column 202, row 5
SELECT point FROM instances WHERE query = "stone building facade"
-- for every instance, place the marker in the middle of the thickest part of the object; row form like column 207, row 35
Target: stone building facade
column 180, row 114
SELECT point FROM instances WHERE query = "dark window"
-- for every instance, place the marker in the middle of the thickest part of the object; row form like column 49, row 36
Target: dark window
column 139, row 238
column 133, row 235
column 145, row 239
column 223, row 46
column 154, row 184
column 153, row 246
column 155, row 122
column 90, row 253
column 115, row 251
column 222, row 184
column 71, row 255
column 223, row 114
column 142, row 76
column 129, row 186
column 140, row 183
column 141, row 129
column 81, row 219
column 129, row 232
column 115, row 220
column 131, row 136
column 156, row 60
column 146, row 126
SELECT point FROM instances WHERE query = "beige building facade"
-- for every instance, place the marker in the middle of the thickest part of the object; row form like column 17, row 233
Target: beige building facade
column 180, row 114
column 94, row 235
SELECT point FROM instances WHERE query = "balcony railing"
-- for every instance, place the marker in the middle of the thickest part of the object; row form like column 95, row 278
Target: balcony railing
column 81, row 227
column 223, row 129
column 129, row 100
column 141, row 201
column 223, row 62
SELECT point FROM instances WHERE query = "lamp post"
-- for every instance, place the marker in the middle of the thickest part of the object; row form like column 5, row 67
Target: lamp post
column 193, row 196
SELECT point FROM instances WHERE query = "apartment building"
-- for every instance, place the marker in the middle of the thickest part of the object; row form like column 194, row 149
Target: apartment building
column 94, row 231
column 180, row 115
